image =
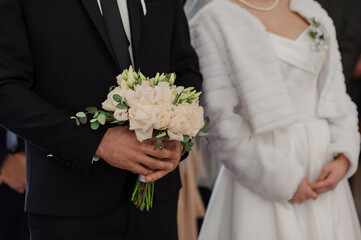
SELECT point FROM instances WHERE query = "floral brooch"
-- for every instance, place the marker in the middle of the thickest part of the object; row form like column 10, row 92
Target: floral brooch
column 318, row 34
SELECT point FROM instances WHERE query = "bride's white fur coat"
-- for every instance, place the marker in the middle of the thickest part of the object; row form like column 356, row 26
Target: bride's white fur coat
column 245, row 96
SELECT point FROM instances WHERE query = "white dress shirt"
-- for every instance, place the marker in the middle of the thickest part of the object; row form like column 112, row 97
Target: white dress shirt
column 123, row 9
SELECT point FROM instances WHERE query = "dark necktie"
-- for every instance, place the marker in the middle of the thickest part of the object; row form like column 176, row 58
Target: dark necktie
column 116, row 32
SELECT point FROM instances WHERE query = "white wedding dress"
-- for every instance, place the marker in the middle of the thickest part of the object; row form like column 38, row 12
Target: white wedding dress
column 236, row 213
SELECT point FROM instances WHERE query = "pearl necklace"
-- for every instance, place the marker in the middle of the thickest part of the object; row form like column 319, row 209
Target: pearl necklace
column 260, row 8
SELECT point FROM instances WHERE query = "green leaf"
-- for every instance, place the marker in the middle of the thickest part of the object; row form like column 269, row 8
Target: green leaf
column 77, row 122
column 96, row 115
column 117, row 98
column 206, row 123
column 91, row 109
column 108, row 114
column 188, row 146
column 94, row 120
column 313, row 35
column 83, row 120
column 161, row 134
column 50, row 155
column 186, row 139
column 115, row 121
column 81, row 114
column 122, row 106
column 94, row 125
column 73, row 117
column 139, row 81
column 101, row 119
column 202, row 134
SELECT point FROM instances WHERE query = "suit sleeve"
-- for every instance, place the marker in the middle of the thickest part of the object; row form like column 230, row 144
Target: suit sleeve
column 3, row 150
column 23, row 111
column 252, row 161
column 184, row 60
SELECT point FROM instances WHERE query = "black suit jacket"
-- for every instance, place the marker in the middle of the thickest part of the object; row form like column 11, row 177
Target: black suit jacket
column 3, row 150
column 346, row 15
column 56, row 59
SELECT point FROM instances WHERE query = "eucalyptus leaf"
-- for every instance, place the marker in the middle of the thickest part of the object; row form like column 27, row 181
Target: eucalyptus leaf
column 91, row 109
column 77, row 122
column 206, row 123
column 122, row 106
column 185, row 139
column 101, row 119
column 94, row 120
column 187, row 148
column 96, row 115
column 81, row 114
column 94, row 125
column 83, row 120
column 117, row 98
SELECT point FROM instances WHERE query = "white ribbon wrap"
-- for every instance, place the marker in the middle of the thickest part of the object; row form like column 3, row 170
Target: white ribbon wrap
column 141, row 178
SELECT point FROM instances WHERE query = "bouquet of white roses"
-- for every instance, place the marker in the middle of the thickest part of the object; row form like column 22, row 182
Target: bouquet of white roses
column 151, row 107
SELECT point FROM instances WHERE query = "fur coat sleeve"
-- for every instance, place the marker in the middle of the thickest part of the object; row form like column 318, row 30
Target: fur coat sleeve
column 254, row 164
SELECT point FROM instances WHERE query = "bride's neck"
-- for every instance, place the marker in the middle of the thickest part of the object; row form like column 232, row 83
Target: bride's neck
column 260, row 2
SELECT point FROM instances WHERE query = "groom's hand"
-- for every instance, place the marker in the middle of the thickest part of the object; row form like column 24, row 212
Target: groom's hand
column 171, row 153
column 121, row 149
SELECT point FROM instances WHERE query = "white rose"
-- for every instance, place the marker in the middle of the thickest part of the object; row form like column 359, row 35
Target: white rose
column 194, row 115
column 197, row 120
column 121, row 114
column 162, row 119
column 175, row 136
column 163, row 94
column 145, row 83
column 110, row 104
column 141, row 120
column 120, row 77
column 178, row 126
column 145, row 95
column 131, row 98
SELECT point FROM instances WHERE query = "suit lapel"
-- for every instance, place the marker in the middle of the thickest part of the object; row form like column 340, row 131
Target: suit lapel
column 93, row 10
column 135, row 15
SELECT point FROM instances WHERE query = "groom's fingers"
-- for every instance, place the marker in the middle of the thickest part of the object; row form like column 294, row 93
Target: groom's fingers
column 139, row 169
column 156, row 175
column 155, row 164
column 149, row 150
column 161, row 173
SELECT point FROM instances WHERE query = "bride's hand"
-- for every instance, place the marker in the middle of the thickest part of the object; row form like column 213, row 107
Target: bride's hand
column 303, row 193
column 331, row 174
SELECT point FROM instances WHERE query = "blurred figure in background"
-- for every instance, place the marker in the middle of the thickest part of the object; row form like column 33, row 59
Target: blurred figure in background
column 190, row 205
column 13, row 220
column 346, row 15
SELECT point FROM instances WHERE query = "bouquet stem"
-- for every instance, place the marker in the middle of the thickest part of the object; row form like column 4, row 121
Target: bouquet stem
column 143, row 193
